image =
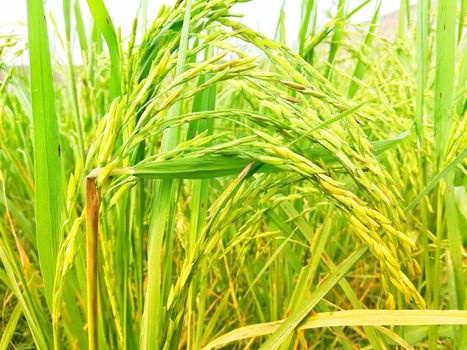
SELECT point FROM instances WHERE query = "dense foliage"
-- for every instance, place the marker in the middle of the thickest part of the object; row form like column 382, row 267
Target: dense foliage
column 198, row 184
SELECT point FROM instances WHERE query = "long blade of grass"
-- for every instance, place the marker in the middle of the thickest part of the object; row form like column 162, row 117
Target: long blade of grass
column 104, row 23
column 361, row 66
column 404, row 18
column 444, row 79
column 307, row 7
column 16, row 281
column 421, row 53
column 461, row 21
column 336, row 36
column 461, row 97
column 456, row 250
column 212, row 166
column 373, row 338
column 9, row 329
column 47, row 153
column 281, row 33
column 350, row 318
column 80, row 29
column 286, row 328
column 71, row 76
column 203, row 101
column 162, row 213
column 442, row 174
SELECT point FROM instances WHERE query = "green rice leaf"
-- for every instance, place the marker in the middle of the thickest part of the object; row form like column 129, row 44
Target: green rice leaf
column 9, row 329
column 47, row 149
column 302, row 311
column 444, row 79
column 350, row 318
column 361, row 66
column 104, row 23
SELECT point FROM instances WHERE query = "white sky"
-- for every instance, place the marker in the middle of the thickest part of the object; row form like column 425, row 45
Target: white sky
column 261, row 15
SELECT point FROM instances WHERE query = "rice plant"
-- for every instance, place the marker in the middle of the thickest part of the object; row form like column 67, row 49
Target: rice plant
column 194, row 184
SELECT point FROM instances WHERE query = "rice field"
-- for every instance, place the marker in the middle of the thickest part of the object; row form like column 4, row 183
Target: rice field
column 194, row 184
